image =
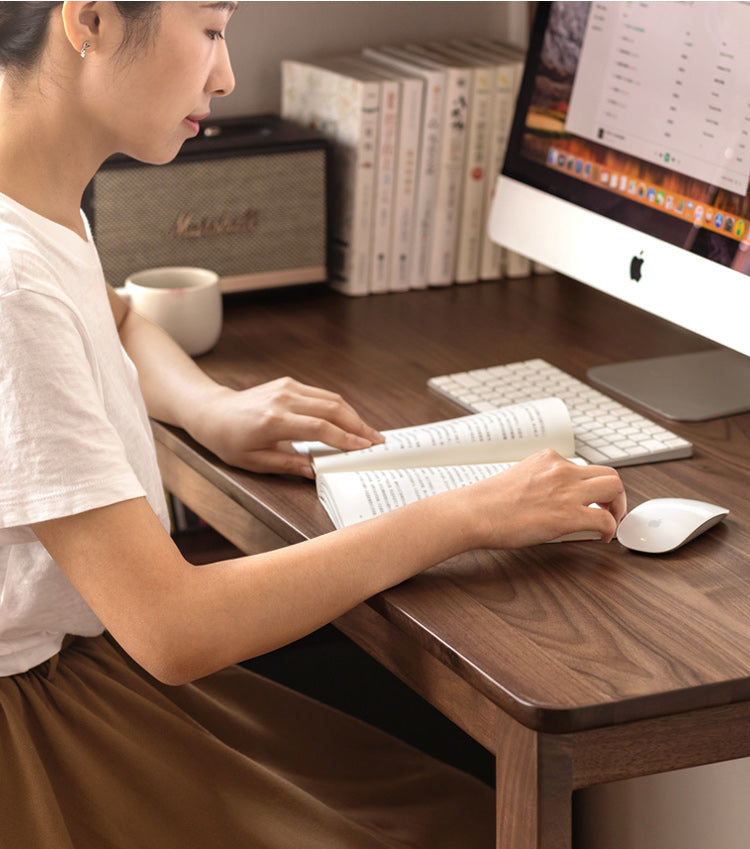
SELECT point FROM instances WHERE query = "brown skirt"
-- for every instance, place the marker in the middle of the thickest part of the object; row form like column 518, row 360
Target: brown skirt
column 96, row 753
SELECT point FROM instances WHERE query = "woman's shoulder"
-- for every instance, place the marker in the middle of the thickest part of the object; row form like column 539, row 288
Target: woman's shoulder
column 22, row 253
column 34, row 256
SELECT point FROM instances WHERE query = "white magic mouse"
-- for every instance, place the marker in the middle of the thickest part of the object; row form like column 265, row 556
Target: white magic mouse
column 664, row 524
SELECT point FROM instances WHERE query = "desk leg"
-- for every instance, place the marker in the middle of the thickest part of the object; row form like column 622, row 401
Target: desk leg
column 534, row 790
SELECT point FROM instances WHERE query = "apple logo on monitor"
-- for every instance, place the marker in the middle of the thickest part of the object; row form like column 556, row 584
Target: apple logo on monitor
column 636, row 267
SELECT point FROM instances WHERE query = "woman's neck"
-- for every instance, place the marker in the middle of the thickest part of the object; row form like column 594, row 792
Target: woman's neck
column 45, row 160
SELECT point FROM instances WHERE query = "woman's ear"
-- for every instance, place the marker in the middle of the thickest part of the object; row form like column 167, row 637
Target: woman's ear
column 82, row 23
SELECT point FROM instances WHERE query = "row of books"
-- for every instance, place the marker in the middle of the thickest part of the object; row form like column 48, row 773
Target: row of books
column 418, row 136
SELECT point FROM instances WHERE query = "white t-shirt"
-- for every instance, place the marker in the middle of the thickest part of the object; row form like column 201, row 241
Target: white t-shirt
column 74, row 433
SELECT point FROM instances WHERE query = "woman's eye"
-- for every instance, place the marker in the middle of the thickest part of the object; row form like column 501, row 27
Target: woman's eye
column 215, row 35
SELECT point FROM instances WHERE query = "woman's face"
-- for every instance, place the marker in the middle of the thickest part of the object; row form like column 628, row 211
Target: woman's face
column 151, row 99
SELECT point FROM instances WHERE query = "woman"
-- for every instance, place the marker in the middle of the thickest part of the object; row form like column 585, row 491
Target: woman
column 103, row 624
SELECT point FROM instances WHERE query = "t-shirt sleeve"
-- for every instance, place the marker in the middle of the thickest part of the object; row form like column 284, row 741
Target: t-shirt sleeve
column 60, row 453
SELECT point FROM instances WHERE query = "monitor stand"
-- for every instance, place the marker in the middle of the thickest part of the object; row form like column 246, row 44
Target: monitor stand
column 688, row 387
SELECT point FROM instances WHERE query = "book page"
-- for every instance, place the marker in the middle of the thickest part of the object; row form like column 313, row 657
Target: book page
column 498, row 436
column 351, row 497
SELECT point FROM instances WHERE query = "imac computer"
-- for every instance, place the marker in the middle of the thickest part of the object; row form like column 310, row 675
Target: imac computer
column 627, row 169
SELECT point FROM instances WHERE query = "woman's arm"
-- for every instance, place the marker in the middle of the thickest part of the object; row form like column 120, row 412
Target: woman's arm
column 249, row 428
column 181, row 622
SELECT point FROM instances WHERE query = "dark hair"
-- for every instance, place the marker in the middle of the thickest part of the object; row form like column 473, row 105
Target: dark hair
column 23, row 29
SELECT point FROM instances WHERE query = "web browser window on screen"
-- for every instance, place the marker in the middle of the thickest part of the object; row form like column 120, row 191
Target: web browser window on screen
column 649, row 84
column 649, row 102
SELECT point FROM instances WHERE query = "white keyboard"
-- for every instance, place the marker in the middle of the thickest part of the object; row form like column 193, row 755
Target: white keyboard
column 606, row 432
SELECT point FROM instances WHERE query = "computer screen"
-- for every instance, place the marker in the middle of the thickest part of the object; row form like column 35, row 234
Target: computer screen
column 628, row 168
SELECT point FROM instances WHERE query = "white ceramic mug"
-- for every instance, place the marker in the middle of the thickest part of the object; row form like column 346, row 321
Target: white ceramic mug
column 185, row 301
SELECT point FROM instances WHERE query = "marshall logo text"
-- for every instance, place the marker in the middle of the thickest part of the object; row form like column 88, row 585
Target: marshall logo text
column 187, row 226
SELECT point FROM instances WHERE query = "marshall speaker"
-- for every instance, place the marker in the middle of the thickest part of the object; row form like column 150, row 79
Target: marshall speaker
column 246, row 198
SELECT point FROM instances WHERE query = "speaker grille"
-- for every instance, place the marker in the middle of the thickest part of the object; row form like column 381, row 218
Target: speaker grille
column 238, row 215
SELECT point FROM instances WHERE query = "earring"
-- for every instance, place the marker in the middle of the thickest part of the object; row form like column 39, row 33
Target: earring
column 85, row 47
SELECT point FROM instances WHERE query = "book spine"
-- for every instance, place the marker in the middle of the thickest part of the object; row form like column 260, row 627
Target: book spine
column 429, row 170
column 475, row 177
column 380, row 260
column 511, row 263
column 403, row 226
column 346, row 111
column 354, row 239
column 479, row 148
column 429, row 157
column 441, row 263
column 515, row 264
column 491, row 255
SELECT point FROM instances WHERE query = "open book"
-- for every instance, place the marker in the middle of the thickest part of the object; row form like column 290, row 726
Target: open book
column 423, row 460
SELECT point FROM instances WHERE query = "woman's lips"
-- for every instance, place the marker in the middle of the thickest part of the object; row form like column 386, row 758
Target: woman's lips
column 193, row 121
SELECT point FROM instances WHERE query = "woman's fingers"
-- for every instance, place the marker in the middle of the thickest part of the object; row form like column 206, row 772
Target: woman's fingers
column 301, row 412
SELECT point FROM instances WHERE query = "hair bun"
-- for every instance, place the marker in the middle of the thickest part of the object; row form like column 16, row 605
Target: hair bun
column 23, row 27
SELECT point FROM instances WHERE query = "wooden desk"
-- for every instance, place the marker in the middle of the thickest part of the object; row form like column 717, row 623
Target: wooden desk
column 574, row 664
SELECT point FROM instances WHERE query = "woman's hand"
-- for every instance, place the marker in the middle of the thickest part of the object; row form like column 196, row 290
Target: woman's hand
column 542, row 498
column 252, row 428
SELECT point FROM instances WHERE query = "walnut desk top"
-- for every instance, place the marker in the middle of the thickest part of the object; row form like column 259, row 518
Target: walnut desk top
column 575, row 663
